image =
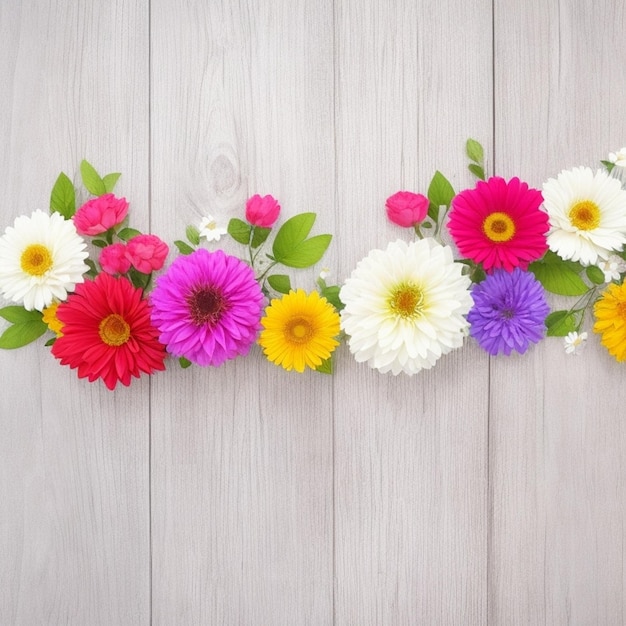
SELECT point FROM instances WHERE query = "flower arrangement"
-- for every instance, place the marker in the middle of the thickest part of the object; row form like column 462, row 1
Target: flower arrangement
column 480, row 266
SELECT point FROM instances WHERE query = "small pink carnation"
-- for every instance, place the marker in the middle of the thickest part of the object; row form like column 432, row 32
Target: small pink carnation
column 406, row 208
column 99, row 214
column 146, row 253
column 113, row 259
column 262, row 211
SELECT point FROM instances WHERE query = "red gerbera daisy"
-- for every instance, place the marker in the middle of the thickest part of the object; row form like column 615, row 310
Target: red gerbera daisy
column 107, row 332
column 499, row 224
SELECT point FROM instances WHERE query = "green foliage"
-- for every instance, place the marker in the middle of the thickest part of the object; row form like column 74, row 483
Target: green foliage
column 559, row 276
column 474, row 151
column 110, row 180
column 477, row 170
column 331, row 293
column 326, row 366
column 183, row 247
column 609, row 165
column 183, row 362
column 63, row 197
column 595, row 274
column 139, row 279
column 93, row 270
column 259, row 236
column 126, row 234
column 26, row 326
column 91, row 179
column 440, row 193
column 559, row 323
column 99, row 243
column 279, row 282
column 193, row 235
column 239, row 230
column 291, row 246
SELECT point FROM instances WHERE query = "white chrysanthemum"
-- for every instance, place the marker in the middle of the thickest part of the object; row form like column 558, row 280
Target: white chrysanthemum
column 574, row 342
column 587, row 214
column 405, row 306
column 210, row 230
column 41, row 259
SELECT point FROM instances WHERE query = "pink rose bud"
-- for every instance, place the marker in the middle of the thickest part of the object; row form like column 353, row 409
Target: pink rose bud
column 262, row 211
column 99, row 214
column 146, row 253
column 113, row 259
column 406, row 208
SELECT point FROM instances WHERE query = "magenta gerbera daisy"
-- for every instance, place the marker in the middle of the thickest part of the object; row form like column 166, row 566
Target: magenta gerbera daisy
column 207, row 307
column 499, row 224
column 106, row 332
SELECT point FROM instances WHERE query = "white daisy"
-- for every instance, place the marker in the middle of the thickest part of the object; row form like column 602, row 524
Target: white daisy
column 587, row 214
column 619, row 157
column 210, row 230
column 574, row 342
column 41, row 259
column 613, row 268
column 405, row 306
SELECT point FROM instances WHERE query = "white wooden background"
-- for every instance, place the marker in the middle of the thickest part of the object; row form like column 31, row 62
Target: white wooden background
column 486, row 491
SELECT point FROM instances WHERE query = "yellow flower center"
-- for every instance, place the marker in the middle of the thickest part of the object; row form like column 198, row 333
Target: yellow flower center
column 36, row 260
column 499, row 227
column 407, row 300
column 114, row 330
column 298, row 331
column 621, row 310
column 585, row 215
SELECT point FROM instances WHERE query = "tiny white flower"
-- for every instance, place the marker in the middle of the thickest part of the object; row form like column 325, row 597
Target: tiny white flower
column 619, row 157
column 574, row 342
column 612, row 268
column 210, row 230
column 325, row 273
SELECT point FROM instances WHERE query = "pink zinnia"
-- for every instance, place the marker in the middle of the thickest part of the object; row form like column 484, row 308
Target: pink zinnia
column 499, row 224
column 146, row 253
column 207, row 307
column 113, row 259
column 107, row 332
column 96, row 216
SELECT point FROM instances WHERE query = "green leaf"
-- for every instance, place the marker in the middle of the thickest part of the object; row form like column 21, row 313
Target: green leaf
column 93, row 271
column 559, row 278
column 139, row 279
column 91, row 179
column 21, row 334
column 609, row 165
column 259, row 235
column 474, row 150
column 128, row 233
column 193, row 235
column 291, row 234
column 110, row 180
column 559, row 323
column 440, row 191
column 595, row 275
column 63, row 197
column 50, row 342
column 239, row 230
column 183, row 362
column 18, row 314
column 326, row 366
column 477, row 170
column 183, row 247
column 99, row 243
column 307, row 253
column 331, row 293
column 279, row 282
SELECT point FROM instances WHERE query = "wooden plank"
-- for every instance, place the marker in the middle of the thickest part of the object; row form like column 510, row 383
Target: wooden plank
column 413, row 82
column 556, row 438
column 74, row 520
column 242, row 455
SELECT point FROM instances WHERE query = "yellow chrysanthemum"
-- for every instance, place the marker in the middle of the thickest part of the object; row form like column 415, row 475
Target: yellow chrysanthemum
column 50, row 317
column 610, row 314
column 300, row 330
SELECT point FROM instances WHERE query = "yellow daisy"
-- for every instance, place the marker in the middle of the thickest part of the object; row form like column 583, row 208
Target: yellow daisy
column 299, row 330
column 610, row 314
column 50, row 317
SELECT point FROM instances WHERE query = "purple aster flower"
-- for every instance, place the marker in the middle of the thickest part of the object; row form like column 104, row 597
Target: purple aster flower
column 207, row 307
column 509, row 312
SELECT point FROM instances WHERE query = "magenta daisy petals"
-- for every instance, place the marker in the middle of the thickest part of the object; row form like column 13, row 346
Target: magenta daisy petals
column 499, row 224
column 207, row 307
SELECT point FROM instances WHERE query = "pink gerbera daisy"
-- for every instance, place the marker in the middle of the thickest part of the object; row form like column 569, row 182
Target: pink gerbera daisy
column 499, row 224
column 207, row 307
column 106, row 332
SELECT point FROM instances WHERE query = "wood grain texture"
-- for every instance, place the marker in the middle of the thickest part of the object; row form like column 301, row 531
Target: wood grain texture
column 242, row 456
column 74, row 519
column 557, row 440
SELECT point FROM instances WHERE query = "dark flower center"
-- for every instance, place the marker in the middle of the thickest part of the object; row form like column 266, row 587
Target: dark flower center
column 206, row 305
